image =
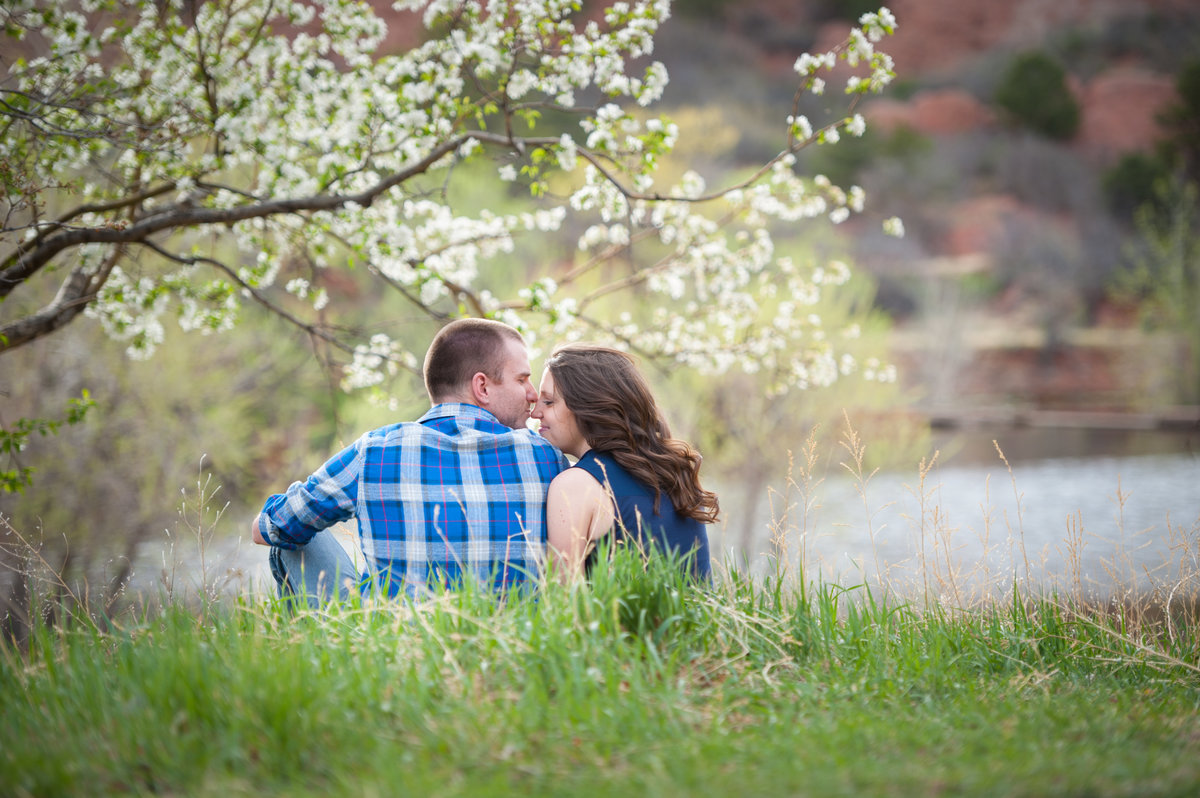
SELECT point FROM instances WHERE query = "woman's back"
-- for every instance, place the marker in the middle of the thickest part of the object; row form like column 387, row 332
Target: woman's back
column 637, row 520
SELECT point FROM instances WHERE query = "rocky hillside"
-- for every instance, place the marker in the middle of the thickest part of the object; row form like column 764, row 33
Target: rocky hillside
column 1001, row 289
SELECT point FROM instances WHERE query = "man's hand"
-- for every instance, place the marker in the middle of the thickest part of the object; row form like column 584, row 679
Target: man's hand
column 256, row 535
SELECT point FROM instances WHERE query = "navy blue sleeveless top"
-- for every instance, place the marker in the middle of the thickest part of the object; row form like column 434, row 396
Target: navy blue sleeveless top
column 636, row 519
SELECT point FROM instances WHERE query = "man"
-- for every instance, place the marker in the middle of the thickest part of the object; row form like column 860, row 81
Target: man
column 458, row 494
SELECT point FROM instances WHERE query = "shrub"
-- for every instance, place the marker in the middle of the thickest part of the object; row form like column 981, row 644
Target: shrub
column 849, row 9
column 703, row 9
column 1182, row 119
column 846, row 162
column 1130, row 184
column 1034, row 91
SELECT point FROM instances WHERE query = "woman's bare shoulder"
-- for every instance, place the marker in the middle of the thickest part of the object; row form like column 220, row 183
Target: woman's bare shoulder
column 575, row 480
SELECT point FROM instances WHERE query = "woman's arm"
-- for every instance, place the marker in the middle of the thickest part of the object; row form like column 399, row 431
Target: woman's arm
column 579, row 511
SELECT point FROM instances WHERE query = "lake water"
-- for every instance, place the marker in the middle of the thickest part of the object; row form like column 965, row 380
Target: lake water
column 1080, row 511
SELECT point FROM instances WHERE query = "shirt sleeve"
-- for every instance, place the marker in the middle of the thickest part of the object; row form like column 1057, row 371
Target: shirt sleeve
column 290, row 519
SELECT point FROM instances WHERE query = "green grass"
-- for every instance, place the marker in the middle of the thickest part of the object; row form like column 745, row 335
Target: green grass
column 636, row 684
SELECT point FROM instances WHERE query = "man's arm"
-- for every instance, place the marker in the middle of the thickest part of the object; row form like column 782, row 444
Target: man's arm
column 290, row 519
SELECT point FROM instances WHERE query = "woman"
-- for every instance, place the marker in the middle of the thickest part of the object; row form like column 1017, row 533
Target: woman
column 632, row 479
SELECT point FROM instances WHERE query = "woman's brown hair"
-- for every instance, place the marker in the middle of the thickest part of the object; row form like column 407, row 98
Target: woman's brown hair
column 616, row 414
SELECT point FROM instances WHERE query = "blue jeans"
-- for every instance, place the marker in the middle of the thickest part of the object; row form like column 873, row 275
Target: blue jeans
column 317, row 572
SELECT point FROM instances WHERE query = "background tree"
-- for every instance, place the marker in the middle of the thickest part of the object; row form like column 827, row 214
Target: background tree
column 1034, row 91
column 1164, row 273
column 1181, row 120
column 1134, row 181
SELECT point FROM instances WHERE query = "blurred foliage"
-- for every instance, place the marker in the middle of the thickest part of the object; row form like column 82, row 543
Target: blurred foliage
column 904, row 88
column 1045, row 174
column 849, row 10
column 703, row 9
column 1034, row 91
column 1159, row 38
column 1045, row 265
column 250, row 410
column 1130, row 184
column 1135, row 181
column 14, row 439
column 1182, row 120
column 1163, row 273
column 981, row 286
column 845, row 163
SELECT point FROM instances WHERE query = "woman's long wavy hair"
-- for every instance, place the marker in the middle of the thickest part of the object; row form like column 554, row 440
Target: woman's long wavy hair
column 616, row 414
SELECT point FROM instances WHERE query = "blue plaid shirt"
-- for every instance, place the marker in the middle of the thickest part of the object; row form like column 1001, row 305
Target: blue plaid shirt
column 453, row 492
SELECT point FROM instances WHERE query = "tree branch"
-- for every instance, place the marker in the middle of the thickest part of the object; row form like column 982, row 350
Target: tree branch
column 26, row 261
column 114, row 205
column 256, row 294
column 75, row 294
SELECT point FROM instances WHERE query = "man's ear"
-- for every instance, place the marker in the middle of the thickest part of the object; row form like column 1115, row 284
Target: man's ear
column 481, row 389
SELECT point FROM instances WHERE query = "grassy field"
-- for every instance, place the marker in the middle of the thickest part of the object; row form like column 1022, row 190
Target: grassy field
column 635, row 684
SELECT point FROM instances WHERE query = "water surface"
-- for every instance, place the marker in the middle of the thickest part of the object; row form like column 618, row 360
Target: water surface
column 1094, row 512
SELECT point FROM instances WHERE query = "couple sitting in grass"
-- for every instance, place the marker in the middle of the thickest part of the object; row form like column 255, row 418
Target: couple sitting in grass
column 469, row 492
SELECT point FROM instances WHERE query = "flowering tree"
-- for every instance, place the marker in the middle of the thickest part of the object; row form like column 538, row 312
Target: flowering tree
column 177, row 158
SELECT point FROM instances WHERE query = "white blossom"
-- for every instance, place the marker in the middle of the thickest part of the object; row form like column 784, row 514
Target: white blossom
column 856, row 199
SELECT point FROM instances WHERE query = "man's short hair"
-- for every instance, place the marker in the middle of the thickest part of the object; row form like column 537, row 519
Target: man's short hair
column 460, row 350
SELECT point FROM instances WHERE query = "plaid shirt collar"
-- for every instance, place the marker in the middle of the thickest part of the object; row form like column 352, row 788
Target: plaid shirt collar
column 459, row 411
column 466, row 415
